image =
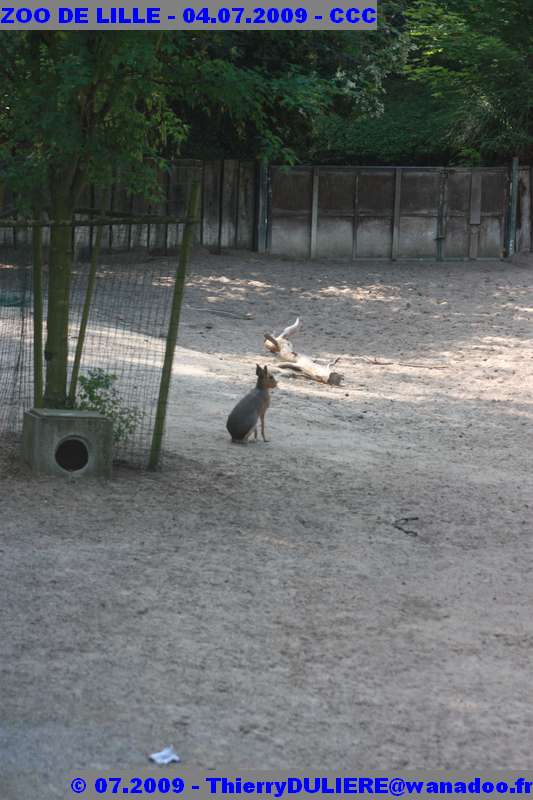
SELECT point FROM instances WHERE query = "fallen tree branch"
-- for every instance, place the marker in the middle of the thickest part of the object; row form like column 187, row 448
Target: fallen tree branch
column 275, row 346
column 423, row 366
column 220, row 311
column 291, row 329
column 398, row 363
column 282, row 348
column 399, row 525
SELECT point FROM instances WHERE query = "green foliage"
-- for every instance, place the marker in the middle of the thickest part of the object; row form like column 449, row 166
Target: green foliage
column 81, row 107
column 98, row 393
column 463, row 97
column 477, row 60
column 411, row 130
column 262, row 95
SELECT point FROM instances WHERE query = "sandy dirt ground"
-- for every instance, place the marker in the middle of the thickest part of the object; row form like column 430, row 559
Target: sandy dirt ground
column 265, row 605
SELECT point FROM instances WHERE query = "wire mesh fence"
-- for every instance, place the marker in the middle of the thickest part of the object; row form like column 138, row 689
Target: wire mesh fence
column 125, row 337
column 16, row 361
column 228, row 210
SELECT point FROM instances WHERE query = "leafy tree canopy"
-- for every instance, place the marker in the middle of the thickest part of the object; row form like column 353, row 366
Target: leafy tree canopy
column 413, row 129
column 477, row 60
column 79, row 107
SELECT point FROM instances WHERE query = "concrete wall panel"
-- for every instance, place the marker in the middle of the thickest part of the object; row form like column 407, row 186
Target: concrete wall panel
column 419, row 192
column 418, row 237
column 335, row 237
column 524, row 211
column 374, row 238
column 456, row 239
column 490, row 240
column 246, row 206
column 291, row 236
column 458, row 192
column 375, row 194
column 291, row 191
column 493, row 189
column 336, row 192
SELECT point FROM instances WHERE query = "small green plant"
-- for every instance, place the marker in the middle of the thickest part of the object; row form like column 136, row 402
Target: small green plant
column 98, row 393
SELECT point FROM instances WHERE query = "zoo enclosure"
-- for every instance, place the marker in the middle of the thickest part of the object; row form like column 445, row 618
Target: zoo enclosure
column 341, row 212
column 118, row 319
column 322, row 212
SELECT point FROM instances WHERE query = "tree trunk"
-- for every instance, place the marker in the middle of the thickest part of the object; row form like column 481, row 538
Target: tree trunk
column 60, row 265
column 95, row 255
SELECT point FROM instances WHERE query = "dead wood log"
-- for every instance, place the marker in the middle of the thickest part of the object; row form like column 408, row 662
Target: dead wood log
column 294, row 362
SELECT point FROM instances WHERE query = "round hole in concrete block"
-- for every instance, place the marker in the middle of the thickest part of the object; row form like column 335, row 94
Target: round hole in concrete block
column 72, row 454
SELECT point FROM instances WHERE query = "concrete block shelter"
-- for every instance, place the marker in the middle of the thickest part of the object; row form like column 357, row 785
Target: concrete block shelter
column 67, row 443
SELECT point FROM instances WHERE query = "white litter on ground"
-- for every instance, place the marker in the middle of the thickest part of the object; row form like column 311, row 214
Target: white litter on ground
column 166, row 756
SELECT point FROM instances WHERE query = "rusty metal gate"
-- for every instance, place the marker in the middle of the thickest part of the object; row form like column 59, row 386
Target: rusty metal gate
column 388, row 212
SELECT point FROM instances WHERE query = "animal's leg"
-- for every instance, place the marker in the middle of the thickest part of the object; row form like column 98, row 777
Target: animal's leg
column 263, row 428
column 245, row 438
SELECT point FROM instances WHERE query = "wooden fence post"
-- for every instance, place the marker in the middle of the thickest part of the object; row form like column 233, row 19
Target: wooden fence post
column 91, row 281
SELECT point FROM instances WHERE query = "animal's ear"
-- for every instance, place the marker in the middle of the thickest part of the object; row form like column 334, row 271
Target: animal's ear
column 258, row 370
column 265, row 370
